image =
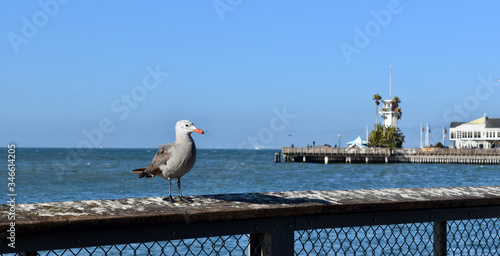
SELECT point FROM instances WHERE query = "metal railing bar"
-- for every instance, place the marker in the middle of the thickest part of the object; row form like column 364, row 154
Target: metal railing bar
column 393, row 217
column 136, row 234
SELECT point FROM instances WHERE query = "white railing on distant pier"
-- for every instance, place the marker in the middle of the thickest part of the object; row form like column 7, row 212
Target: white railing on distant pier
column 322, row 150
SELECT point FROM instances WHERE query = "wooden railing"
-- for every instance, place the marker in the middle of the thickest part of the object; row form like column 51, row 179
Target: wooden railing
column 401, row 221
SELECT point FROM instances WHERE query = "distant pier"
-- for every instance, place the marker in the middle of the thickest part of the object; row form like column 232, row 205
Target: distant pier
column 325, row 154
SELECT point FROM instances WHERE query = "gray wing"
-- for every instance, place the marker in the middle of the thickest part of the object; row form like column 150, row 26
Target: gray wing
column 161, row 158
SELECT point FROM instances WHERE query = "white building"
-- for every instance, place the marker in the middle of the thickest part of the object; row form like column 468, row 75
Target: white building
column 388, row 115
column 483, row 132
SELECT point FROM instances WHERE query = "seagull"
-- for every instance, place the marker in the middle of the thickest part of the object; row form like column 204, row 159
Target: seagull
column 175, row 159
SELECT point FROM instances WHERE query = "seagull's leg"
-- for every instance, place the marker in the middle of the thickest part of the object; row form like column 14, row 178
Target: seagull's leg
column 181, row 198
column 169, row 198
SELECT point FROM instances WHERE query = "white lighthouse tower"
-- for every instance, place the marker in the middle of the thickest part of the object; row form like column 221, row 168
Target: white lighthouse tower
column 388, row 115
column 387, row 110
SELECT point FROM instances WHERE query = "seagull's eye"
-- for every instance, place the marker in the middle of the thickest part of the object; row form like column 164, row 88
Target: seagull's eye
column 187, row 125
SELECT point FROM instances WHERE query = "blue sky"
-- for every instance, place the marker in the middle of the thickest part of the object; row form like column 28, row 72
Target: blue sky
column 250, row 73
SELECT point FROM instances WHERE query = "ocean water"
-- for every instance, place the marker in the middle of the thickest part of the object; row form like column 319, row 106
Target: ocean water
column 49, row 174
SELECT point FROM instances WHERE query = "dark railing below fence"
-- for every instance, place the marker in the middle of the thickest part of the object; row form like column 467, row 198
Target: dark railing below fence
column 413, row 221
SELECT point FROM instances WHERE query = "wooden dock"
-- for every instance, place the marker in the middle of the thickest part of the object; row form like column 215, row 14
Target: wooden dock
column 325, row 154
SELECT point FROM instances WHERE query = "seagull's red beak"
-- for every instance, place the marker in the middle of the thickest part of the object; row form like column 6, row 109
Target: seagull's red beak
column 199, row 131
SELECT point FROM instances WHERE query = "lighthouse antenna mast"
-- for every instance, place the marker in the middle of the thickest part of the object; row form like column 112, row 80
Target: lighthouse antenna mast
column 390, row 81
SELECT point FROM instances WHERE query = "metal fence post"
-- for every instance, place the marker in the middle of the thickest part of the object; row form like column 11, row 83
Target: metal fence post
column 439, row 238
column 280, row 241
column 282, row 236
column 257, row 245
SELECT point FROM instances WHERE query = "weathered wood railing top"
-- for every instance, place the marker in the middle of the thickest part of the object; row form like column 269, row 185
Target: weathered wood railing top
column 65, row 216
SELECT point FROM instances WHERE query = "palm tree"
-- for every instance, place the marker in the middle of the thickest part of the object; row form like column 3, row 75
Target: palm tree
column 377, row 99
column 393, row 137
column 398, row 113
column 376, row 136
column 396, row 109
column 396, row 101
column 390, row 136
column 386, row 137
column 400, row 138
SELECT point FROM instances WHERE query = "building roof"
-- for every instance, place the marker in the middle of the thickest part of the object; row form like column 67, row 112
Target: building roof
column 480, row 120
column 490, row 122
column 358, row 142
column 456, row 124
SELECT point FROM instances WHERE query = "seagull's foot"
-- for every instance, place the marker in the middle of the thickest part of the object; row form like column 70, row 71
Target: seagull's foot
column 169, row 199
column 184, row 200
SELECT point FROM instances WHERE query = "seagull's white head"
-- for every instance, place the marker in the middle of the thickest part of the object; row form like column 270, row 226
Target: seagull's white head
column 186, row 127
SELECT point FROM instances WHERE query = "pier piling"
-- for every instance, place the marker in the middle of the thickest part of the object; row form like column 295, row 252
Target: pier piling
column 277, row 157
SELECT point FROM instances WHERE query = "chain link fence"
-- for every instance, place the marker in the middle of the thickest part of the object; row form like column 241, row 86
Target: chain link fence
column 474, row 237
column 463, row 237
column 401, row 239
column 221, row 245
